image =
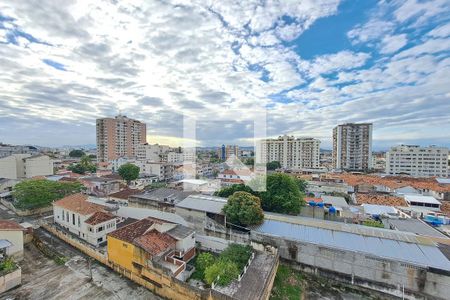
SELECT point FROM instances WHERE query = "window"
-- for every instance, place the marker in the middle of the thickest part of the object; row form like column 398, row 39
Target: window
column 67, row 217
column 73, row 219
column 99, row 240
column 62, row 214
column 79, row 221
column 101, row 228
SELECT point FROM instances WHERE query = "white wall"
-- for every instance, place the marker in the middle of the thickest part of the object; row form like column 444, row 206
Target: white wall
column 81, row 229
column 15, row 237
column 38, row 166
column 8, row 167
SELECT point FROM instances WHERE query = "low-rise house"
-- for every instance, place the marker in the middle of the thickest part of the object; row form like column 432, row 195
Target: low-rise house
column 143, row 181
column 151, row 246
column 11, row 233
column 163, row 199
column 101, row 186
column 89, row 221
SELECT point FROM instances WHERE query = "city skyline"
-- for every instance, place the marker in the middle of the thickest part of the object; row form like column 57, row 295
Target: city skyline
column 313, row 66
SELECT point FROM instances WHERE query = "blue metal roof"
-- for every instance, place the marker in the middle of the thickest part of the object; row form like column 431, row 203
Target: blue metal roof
column 413, row 253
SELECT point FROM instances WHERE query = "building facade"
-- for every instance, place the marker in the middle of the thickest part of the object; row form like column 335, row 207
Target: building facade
column 352, row 147
column 291, row 152
column 417, row 161
column 19, row 166
column 89, row 221
column 119, row 137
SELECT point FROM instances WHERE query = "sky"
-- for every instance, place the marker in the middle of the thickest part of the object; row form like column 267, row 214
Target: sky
column 308, row 65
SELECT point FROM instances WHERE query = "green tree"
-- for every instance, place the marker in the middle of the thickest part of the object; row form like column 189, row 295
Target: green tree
column 76, row 153
column 282, row 195
column 230, row 190
column 224, row 271
column 250, row 161
column 273, row 165
column 302, row 185
column 85, row 165
column 128, row 172
column 244, row 209
column 30, row 194
column 204, row 260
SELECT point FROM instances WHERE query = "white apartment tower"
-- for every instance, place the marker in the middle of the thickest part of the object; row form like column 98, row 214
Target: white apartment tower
column 417, row 161
column 291, row 152
column 119, row 137
column 352, row 147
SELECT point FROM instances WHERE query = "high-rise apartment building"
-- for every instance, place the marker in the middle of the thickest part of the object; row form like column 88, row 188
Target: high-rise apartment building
column 225, row 152
column 119, row 137
column 291, row 152
column 352, row 147
column 417, row 161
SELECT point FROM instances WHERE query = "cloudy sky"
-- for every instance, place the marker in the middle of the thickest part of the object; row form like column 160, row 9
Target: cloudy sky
column 311, row 64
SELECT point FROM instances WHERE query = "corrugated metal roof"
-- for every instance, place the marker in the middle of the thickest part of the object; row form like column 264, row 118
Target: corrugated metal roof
column 421, row 199
column 351, row 228
column 335, row 201
column 415, row 226
column 205, row 203
column 413, row 253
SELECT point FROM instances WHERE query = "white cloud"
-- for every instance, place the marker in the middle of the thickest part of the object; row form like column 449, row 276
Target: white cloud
column 393, row 43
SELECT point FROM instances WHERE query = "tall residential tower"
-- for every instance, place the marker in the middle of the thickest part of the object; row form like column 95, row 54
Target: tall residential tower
column 119, row 137
column 291, row 152
column 352, row 147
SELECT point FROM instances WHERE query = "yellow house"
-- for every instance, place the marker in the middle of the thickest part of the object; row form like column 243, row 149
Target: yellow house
column 149, row 247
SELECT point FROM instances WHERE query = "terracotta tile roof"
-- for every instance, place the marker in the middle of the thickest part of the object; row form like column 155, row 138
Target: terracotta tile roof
column 78, row 203
column 394, row 182
column 132, row 231
column 155, row 242
column 125, row 194
column 380, row 199
column 232, row 180
column 10, row 225
column 99, row 217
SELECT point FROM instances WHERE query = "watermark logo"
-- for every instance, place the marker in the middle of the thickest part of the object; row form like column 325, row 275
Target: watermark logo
column 231, row 170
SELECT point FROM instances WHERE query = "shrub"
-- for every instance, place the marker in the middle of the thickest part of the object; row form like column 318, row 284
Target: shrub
column 238, row 254
column 204, row 260
column 373, row 223
column 7, row 265
column 224, row 271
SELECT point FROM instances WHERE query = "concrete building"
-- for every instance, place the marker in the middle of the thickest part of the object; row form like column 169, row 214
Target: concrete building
column 163, row 170
column 11, row 233
column 177, row 157
column 19, row 166
column 352, row 147
column 153, row 153
column 291, row 152
column 149, row 245
column 225, row 152
column 89, row 221
column 417, row 161
column 119, row 137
